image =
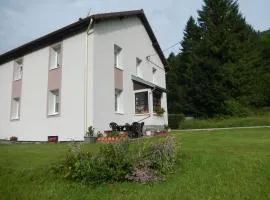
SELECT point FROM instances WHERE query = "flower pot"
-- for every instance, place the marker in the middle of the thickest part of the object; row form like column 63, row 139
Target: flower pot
column 90, row 139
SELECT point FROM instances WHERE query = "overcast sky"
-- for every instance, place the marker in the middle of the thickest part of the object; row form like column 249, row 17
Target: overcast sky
column 24, row 20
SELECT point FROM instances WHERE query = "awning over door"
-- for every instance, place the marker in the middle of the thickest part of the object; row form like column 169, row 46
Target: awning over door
column 139, row 83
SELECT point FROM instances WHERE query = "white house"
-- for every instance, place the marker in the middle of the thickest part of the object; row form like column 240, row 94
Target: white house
column 101, row 69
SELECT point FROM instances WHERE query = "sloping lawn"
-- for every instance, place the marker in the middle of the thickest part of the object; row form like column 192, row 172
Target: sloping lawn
column 228, row 164
column 262, row 118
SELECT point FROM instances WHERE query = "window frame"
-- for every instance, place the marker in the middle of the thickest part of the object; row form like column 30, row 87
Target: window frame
column 56, row 53
column 148, row 101
column 118, row 60
column 153, row 100
column 138, row 67
column 54, row 103
column 16, row 100
column 154, row 73
column 118, row 101
column 18, row 69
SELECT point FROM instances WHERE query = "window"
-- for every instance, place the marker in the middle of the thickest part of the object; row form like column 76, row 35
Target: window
column 138, row 67
column 141, row 103
column 15, row 108
column 118, row 101
column 56, row 56
column 18, row 69
column 118, row 57
column 156, row 100
column 154, row 75
column 53, row 102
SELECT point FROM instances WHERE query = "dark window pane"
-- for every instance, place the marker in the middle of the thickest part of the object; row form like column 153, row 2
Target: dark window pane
column 141, row 102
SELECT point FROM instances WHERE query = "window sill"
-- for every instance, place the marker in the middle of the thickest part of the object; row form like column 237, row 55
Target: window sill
column 156, row 115
column 54, row 68
column 18, row 79
column 53, row 115
column 142, row 114
column 119, row 113
column 14, row 119
column 120, row 68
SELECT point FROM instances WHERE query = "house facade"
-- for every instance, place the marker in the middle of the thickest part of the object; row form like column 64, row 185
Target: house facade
column 104, row 68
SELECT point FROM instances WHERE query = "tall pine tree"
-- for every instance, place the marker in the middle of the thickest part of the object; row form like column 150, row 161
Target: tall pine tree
column 218, row 60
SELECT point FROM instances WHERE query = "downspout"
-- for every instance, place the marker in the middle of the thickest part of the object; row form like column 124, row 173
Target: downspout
column 86, row 69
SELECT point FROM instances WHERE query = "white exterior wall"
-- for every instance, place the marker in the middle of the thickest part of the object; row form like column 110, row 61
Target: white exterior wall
column 33, row 123
column 93, row 54
column 131, row 36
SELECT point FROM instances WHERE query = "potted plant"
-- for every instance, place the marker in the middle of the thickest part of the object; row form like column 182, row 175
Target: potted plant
column 89, row 135
column 159, row 111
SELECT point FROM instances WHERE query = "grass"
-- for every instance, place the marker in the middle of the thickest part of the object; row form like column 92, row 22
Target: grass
column 258, row 119
column 224, row 164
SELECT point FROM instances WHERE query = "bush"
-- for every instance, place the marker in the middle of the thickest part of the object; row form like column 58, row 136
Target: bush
column 157, row 160
column 175, row 120
column 235, row 108
column 116, row 162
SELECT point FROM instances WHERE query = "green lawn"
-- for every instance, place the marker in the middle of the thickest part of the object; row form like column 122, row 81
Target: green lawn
column 227, row 164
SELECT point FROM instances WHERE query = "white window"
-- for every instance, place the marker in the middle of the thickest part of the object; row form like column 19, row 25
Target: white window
column 18, row 69
column 53, row 102
column 15, row 108
column 118, row 57
column 141, row 102
column 56, row 57
column 154, row 75
column 138, row 67
column 118, row 101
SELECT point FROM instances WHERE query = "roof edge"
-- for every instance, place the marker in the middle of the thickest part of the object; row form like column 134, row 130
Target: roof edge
column 76, row 28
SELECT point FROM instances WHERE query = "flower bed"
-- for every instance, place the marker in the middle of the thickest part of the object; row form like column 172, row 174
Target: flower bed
column 113, row 137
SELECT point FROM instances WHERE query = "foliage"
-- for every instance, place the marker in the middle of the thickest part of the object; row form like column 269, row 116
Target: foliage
column 113, row 134
column 155, row 161
column 175, row 120
column 162, row 155
column 99, row 134
column 115, row 162
column 223, row 64
column 235, row 108
column 90, row 131
column 159, row 110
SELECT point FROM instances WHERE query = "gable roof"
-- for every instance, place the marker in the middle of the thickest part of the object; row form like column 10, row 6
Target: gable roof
column 76, row 28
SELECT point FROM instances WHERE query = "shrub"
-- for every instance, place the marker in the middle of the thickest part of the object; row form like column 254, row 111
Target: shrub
column 162, row 155
column 116, row 162
column 156, row 160
column 175, row 120
column 235, row 108
column 99, row 134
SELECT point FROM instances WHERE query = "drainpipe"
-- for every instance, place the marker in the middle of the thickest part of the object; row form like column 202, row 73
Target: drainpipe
column 86, row 75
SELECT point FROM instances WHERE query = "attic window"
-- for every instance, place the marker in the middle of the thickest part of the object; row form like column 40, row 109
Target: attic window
column 18, row 69
column 56, row 56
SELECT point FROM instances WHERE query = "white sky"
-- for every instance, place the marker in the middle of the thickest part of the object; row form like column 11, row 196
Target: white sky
column 24, row 20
